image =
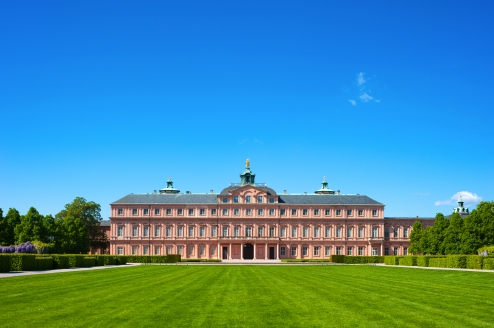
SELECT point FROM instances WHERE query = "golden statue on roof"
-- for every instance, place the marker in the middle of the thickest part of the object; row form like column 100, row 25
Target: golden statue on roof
column 247, row 163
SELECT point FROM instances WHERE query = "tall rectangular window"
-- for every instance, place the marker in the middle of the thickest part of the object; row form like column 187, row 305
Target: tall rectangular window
column 168, row 250
column 225, row 211
column 316, row 232
column 349, row 251
column 180, row 231
column 349, row 212
column 213, row 231
column 375, row 251
column 146, row 231
column 282, row 212
column 202, row 231
column 134, row 250
column 360, row 232
column 305, row 250
column 191, row 250
column 327, row 250
column 225, row 231
column 305, row 212
column 327, row 212
column 349, row 232
column 294, row 251
column 374, row 212
column 282, row 251
column 156, row 231
column 247, row 199
column 360, row 212
column 180, row 211
column 120, row 250
column 248, row 211
column 338, row 232
column 405, row 233
column 180, row 250
column 134, row 211
column 259, row 199
column 213, row 211
column 294, row 232
column 395, row 251
column 338, row 212
column 236, row 231
column 283, row 232
column 271, row 211
column 146, row 211
column 248, row 231
column 259, row 211
column 168, row 231
column 386, row 232
column 168, row 211
column 260, row 231
column 201, row 250
column 120, row 211
column 235, row 199
column 305, row 232
column 316, row 212
column 235, row 211
column 405, row 250
column 360, row 251
column 338, row 250
column 271, row 231
column 386, row 251
column 191, row 231
column 134, row 231
column 120, row 231
column 156, row 211
column 294, row 212
column 202, row 211
column 375, row 232
column 327, row 232
column 146, row 250
column 156, row 250
column 395, row 232
column 316, row 250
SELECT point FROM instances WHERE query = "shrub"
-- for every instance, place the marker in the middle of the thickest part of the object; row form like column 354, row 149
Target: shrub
column 392, row 260
column 488, row 263
column 5, row 263
column 423, row 261
column 88, row 261
column 363, row 259
column 337, row 258
column 474, row 262
column 121, row 260
column 61, row 261
column 22, row 262
column 172, row 258
column 300, row 260
column 438, row 262
column 76, row 261
column 408, row 260
column 456, row 261
column 43, row 263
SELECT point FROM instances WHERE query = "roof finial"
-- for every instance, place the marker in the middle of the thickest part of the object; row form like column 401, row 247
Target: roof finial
column 247, row 163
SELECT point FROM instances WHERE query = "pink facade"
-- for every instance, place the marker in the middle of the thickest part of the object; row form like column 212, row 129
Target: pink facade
column 251, row 221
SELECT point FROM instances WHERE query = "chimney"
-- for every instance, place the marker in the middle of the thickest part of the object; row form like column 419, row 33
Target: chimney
column 338, row 192
column 211, row 191
column 284, row 192
column 155, row 191
column 305, row 192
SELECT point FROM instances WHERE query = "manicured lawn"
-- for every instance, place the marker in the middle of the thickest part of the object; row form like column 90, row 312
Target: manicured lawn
column 255, row 296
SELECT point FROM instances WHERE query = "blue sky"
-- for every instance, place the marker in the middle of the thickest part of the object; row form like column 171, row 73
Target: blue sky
column 387, row 99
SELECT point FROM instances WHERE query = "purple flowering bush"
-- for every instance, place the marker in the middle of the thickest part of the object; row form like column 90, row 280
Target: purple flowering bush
column 26, row 247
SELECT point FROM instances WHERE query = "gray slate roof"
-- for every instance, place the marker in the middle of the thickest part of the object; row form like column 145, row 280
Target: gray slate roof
column 104, row 223
column 213, row 199
column 227, row 191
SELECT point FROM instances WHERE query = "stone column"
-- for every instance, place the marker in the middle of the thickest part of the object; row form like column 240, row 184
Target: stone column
column 241, row 251
column 255, row 251
column 278, row 251
column 230, row 252
column 265, row 251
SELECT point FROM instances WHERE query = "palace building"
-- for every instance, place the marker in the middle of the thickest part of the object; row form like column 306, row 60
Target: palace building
column 249, row 220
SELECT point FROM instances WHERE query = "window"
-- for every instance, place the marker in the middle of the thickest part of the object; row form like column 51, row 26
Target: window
column 191, row 231
column 146, row 211
column 294, row 251
column 156, row 211
column 338, row 212
column 248, row 211
column 168, row 231
column 146, row 231
column 294, row 232
column 134, row 231
column 120, row 231
column 386, row 251
column 259, row 211
column 395, row 232
column 316, row 251
column 360, row 251
column 180, row 230
column 282, row 250
column 134, row 211
column 283, row 232
column 156, row 231
column 213, row 231
column 271, row 200
column 225, row 200
column 248, row 231
column 338, row 250
column 360, row 212
column 225, row 231
column 236, row 231
column 305, row 232
column 247, row 199
column 338, row 232
column 271, row 231
column 395, row 251
column 156, row 250
column 360, row 232
column 213, row 211
column 259, row 199
column 179, row 211
column 327, row 212
column 168, row 211
column 375, row 232
column 294, row 212
column 386, row 232
column 375, row 252
column 168, row 250
column 202, row 211
column 235, row 199
column 316, row 212
column 120, row 250
column 225, row 211
column 191, row 249
column 260, row 232
column 349, row 231
column 374, row 212
column 316, row 232
column 202, row 231
column 327, row 250
column 134, row 250
column 305, row 251
column 405, row 233
column 271, row 211
column 235, row 211
column 327, row 232
column 212, row 250
column 191, row 211
column 180, row 250
column 201, row 250
column 405, row 250
column 282, row 212
column 120, row 211
column 349, row 212
column 305, row 212
column 146, row 250
column 349, row 250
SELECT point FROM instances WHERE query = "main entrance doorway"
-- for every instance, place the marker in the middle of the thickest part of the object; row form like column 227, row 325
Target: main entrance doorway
column 271, row 253
column 225, row 253
column 248, row 252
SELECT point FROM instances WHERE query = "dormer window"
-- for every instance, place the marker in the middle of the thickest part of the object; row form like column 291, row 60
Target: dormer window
column 271, row 200
column 235, row 199
column 247, row 199
column 259, row 199
column 225, row 200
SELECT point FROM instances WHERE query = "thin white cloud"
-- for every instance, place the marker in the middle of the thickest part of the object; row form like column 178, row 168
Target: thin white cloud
column 258, row 141
column 468, row 197
column 422, row 193
column 366, row 97
column 243, row 141
column 360, row 78
column 353, row 102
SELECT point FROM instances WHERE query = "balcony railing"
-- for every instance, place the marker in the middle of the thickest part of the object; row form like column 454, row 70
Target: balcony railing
column 247, row 238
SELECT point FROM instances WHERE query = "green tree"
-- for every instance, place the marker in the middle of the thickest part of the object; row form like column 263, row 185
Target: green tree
column 436, row 234
column 425, row 241
column 89, row 214
column 7, row 227
column 478, row 228
column 32, row 227
column 415, row 238
column 452, row 234
column 71, row 236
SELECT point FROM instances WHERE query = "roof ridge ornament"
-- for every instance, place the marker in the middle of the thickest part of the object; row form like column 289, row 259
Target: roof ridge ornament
column 247, row 163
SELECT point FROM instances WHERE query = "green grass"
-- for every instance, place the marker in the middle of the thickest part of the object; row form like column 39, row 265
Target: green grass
column 255, row 296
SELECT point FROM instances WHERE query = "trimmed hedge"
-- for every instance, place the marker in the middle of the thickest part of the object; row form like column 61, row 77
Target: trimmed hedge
column 337, row 258
column 22, row 262
column 172, row 258
column 5, row 263
column 408, row 261
column 474, row 262
column 363, row 259
column 120, row 260
column 438, row 262
column 200, row 260
column 76, row 261
column 392, row 260
column 457, row 261
column 88, row 262
column 305, row 260
column 60, row 261
column 43, row 263
column 488, row 263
